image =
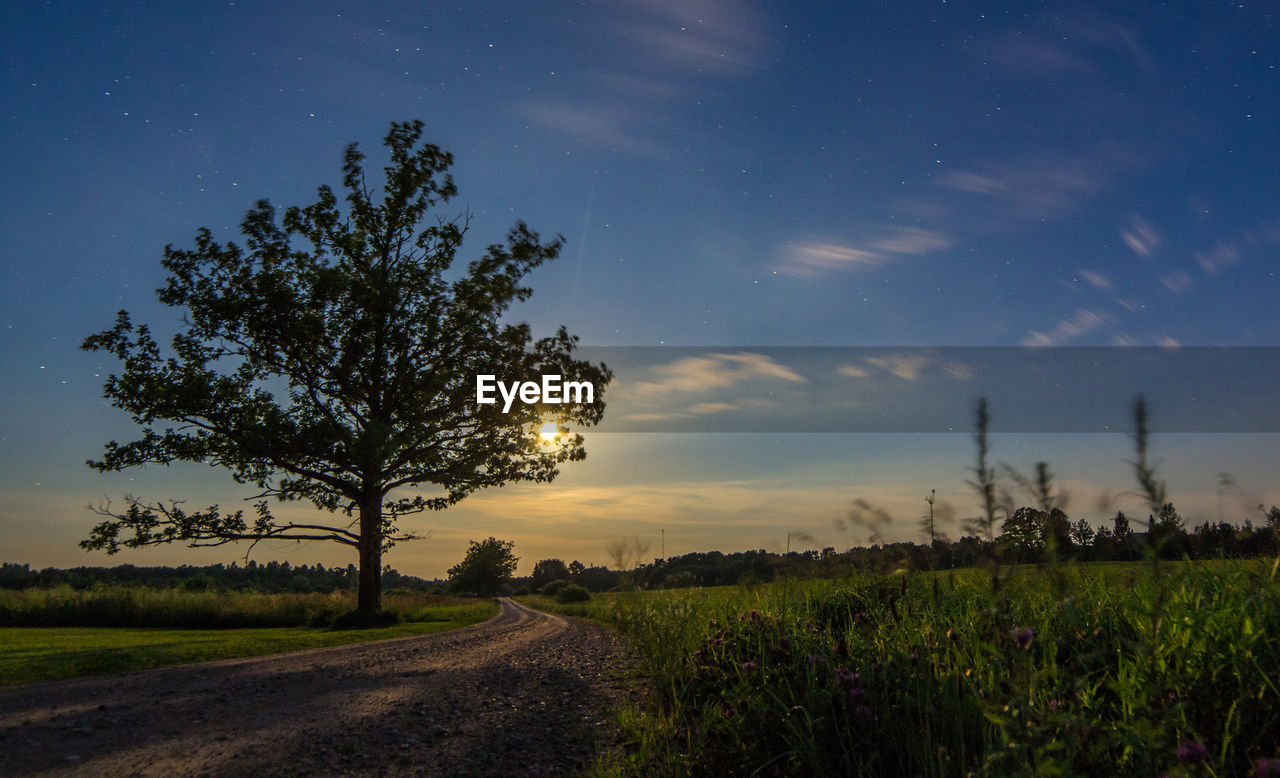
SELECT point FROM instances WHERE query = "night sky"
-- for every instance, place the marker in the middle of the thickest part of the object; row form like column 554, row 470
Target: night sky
column 727, row 176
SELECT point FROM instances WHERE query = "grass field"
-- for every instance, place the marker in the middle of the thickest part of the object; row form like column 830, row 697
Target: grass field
column 31, row 654
column 1115, row 669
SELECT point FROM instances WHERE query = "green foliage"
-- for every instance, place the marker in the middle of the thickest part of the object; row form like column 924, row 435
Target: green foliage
column 1046, row 677
column 552, row 588
column 487, row 567
column 332, row 359
column 572, row 593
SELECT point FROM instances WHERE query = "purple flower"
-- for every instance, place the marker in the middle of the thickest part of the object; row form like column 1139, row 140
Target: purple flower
column 1267, row 768
column 814, row 659
column 862, row 713
column 1023, row 637
column 748, row 666
column 857, row 693
column 1191, row 751
column 728, row 712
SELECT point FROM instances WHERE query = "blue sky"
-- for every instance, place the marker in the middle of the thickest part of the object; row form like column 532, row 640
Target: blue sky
column 726, row 175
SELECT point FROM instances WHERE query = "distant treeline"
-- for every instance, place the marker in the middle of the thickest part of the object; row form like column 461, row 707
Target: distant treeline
column 1027, row 535
column 269, row 577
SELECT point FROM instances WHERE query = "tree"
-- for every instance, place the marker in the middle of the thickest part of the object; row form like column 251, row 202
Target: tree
column 487, row 566
column 1082, row 534
column 1023, row 534
column 546, row 571
column 333, row 359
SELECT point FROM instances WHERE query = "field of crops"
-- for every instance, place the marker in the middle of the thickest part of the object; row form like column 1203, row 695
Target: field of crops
column 1117, row 669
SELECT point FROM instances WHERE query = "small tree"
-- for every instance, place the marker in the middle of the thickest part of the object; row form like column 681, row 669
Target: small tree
column 333, row 359
column 488, row 565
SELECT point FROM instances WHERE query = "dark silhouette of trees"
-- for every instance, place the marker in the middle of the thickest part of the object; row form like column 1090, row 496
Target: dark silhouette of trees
column 333, row 359
column 546, row 571
column 487, row 567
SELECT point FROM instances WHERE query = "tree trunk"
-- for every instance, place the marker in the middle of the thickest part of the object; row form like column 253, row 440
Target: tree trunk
column 370, row 598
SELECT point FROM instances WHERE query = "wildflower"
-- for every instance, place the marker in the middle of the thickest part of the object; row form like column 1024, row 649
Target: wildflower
column 728, row 712
column 841, row 648
column 1267, row 768
column 1055, row 704
column 748, row 666
column 1022, row 637
column 814, row 659
column 862, row 713
column 754, row 614
column 697, row 654
column 1191, row 751
column 857, row 693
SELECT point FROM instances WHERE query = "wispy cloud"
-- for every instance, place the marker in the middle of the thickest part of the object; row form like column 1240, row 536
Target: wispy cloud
column 712, row 372
column 1140, row 237
column 1082, row 322
column 1221, row 255
column 1178, row 282
column 1095, row 279
column 908, row 367
column 1032, row 187
column 811, row 257
column 905, row 367
column 1070, row 45
column 612, row 125
column 656, row 45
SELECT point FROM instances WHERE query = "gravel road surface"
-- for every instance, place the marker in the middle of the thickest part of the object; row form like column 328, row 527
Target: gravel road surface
column 525, row 693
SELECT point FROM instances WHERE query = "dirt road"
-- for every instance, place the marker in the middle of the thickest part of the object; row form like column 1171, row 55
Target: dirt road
column 524, row 693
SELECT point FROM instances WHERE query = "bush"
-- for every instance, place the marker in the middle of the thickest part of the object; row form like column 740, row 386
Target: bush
column 553, row 588
column 572, row 593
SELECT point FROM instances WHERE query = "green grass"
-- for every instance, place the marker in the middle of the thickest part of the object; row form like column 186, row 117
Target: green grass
column 32, row 654
column 1055, row 670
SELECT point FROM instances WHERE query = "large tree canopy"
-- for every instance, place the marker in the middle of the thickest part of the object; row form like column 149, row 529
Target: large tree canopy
column 333, row 358
column 488, row 565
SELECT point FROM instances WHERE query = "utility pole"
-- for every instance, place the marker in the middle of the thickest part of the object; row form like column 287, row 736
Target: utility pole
column 663, row 543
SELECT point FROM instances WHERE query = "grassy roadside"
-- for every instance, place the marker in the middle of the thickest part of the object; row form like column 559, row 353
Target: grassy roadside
column 34, row 654
column 1050, row 670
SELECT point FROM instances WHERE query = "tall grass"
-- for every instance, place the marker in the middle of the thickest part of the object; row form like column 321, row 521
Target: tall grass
column 1058, row 671
column 135, row 606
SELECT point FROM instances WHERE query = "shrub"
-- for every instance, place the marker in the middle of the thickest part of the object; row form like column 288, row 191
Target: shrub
column 572, row 593
column 553, row 588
